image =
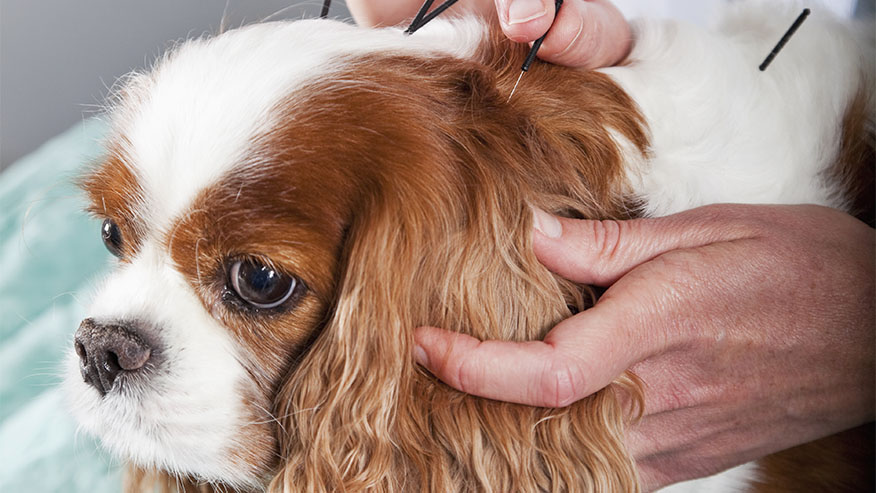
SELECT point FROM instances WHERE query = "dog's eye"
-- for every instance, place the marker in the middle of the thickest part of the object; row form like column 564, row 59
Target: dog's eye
column 260, row 285
column 112, row 237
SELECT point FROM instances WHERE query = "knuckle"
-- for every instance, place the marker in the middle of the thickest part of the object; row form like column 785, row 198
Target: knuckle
column 586, row 42
column 684, row 395
column 562, row 384
column 736, row 220
column 565, row 38
column 677, row 398
column 605, row 245
column 588, row 37
column 467, row 374
column 606, row 236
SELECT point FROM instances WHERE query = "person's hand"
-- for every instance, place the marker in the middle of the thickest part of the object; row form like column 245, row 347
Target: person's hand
column 752, row 328
column 586, row 34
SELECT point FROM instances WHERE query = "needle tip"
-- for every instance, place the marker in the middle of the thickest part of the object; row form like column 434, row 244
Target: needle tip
column 515, row 85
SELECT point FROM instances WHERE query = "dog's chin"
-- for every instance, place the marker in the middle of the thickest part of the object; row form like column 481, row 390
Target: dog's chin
column 156, row 431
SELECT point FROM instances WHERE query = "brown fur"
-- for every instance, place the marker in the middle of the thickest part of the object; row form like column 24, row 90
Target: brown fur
column 418, row 213
column 114, row 193
column 857, row 160
column 838, row 463
column 414, row 213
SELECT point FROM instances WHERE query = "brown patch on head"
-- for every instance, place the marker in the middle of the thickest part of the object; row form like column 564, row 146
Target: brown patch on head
column 114, row 193
column 855, row 164
column 269, row 215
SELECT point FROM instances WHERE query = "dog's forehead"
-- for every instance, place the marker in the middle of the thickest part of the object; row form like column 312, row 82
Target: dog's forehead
column 198, row 115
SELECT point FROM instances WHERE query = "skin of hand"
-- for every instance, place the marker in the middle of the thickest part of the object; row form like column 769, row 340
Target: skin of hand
column 586, row 34
column 752, row 328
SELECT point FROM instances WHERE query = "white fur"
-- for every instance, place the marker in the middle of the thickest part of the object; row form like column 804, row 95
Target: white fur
column 736, row 479
column 186, row 416
column 723, row 131
column 719, row 133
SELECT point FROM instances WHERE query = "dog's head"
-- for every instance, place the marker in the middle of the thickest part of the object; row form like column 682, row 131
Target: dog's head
column 287, row 202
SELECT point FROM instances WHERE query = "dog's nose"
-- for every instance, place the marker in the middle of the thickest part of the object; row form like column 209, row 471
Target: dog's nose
column 106, row 350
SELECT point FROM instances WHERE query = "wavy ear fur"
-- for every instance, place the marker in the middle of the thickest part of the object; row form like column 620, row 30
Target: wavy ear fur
column 445, row 240
column 137, row 480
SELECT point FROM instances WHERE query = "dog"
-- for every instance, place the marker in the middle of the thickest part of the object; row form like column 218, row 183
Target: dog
column 288, row 200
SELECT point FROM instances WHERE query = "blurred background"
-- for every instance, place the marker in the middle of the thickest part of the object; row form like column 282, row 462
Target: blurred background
column 58, row 57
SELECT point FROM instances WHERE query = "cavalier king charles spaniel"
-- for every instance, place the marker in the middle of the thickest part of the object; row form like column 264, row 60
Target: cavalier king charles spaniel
column 289, row 200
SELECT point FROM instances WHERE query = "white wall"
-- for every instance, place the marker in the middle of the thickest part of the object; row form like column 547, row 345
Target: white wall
column 57, row 57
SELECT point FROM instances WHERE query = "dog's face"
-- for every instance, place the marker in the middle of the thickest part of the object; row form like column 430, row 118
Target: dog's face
column 227, row 195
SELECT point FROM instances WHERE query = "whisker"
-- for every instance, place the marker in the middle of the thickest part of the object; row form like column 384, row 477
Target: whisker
column 198, row 260
column 279, row 12
column 224, row 20
column 178, row 225
column 71, row 294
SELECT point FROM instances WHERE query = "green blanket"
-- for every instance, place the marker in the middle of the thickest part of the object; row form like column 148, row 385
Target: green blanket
column 50, row 257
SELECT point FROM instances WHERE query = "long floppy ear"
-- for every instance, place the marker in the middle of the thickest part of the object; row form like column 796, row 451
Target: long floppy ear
column 443, row 237
column 137, row 480
column 358, row 413
column 340, row 408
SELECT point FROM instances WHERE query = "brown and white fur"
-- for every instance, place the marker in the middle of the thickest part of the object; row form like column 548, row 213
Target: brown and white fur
column 392, row 178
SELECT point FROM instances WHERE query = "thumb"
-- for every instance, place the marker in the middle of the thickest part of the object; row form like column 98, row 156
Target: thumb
column 601, row 252
column 587, row 34
column 583, row 33
column 579, row 356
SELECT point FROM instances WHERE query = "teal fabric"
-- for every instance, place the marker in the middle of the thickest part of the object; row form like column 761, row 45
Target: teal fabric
column 50, row 258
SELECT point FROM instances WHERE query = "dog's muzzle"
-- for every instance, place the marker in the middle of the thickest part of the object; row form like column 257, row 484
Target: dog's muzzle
column 107, row 351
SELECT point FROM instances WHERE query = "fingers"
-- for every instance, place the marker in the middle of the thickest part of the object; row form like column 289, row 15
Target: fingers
column 580, row 356
column 586, row 352
column 586, row 33
column 524, row 21
column 381, row 13
column 378, row 13
column 601, row 252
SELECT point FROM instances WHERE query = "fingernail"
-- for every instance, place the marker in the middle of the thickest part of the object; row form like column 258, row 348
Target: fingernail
column 546, row 224
column 521, row 11
column 420, row 356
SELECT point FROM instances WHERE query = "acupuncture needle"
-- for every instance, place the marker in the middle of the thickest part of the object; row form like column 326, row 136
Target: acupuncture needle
column 533, row 51
column 793, row 29
column 422, row 18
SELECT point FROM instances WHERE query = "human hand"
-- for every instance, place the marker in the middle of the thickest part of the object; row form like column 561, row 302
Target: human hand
column 752, row 328
column 586, row 34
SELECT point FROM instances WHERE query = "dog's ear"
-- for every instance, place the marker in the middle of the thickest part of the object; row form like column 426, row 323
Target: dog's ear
column 339, row 408
column 441, row 235
column 359, row 414
column 137, row 480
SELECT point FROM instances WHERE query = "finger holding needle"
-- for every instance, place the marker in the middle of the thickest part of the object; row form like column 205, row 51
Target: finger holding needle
column 584, row 33
column 533, row 51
